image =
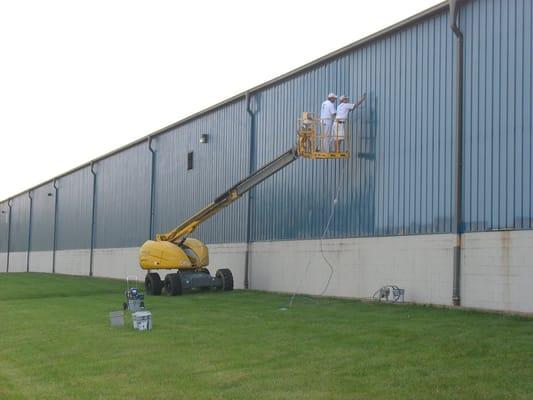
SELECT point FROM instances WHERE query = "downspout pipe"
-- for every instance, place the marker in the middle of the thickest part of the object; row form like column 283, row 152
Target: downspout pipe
column 10, row 205
column 93, row 222
column 458, row 126
column 30, row 196
column 152, row 187
column 251, row 169
column 56, row 191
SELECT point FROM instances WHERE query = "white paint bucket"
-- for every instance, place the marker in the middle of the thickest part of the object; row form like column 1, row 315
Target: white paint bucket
column 142, row 320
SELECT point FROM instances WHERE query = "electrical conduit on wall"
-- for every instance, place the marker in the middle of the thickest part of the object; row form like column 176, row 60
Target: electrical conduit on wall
column 152, row 187
column 93, row 222
column 56, row 191
column 458, row 124
column 28, row 250
column 10, row 205
column 251, row 169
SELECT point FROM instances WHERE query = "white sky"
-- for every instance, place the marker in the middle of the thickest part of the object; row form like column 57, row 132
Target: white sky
column 81, row 78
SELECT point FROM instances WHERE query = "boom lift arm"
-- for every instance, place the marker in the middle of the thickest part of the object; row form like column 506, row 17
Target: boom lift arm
column 229, row 197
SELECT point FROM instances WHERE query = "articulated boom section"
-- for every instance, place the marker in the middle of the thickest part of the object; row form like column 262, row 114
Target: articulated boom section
column 229, row 197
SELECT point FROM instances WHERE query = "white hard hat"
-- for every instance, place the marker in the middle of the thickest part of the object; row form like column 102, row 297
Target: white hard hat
column 343, row 98
column 332, row 95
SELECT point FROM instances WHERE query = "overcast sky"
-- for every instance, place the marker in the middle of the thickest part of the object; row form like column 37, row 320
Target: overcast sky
column 81, row 78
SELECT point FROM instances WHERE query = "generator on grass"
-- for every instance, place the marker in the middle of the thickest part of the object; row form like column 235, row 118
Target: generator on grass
column 134, row 300
column 189, row 257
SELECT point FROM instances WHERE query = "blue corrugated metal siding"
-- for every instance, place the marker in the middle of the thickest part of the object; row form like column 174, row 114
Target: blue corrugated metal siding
column 74, row 210
column 42, row 226
column 217, row 165
column 399, row 177
column 498, row 109
column 4, row 224
column 123, row 198
column 20, row 222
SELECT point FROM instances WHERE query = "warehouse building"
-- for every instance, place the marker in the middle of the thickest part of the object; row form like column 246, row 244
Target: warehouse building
column 449, row 220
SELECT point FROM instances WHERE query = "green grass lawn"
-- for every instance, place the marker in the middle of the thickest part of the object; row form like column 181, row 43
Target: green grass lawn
column 56, row 343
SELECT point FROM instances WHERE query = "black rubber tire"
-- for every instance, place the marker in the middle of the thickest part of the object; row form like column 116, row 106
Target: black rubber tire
column 153, row 284
column 173, row 285
column 227, row 279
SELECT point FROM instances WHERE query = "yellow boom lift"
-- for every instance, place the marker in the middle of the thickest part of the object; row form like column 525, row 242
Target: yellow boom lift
column 175, row 250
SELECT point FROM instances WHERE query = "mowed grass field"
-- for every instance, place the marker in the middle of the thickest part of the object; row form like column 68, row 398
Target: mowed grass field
column 56, row 343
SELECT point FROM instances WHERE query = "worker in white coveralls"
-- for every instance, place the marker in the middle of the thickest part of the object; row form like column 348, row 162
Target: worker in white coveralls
column 339, row 125
column 327, row 116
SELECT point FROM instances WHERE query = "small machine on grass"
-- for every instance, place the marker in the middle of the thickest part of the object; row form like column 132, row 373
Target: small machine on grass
column 134, row 299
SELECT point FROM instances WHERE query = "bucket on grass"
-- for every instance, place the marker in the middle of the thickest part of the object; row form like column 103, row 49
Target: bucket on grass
column 142, row 320
column 116, row 318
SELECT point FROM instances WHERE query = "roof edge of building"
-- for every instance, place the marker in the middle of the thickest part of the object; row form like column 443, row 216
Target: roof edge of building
column 436, row 9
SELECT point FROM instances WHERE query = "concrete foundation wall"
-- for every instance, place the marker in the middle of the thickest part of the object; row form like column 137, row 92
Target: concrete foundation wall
column 422, row 265
column 232, row 256
column 497, row 270
column 3, row 262
column 41, row 261
column 72, row 262
column 117, row 263
column 497, row 267
column 17, row 261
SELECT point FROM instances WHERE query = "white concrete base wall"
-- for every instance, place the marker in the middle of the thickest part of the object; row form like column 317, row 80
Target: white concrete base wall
column 232, row 256
column 497, row 270
column 17, row 261
column 422, row 265
column 497, row 267
column 3, row 262
column 41, row 261
column 72, row 262
column 117, row 263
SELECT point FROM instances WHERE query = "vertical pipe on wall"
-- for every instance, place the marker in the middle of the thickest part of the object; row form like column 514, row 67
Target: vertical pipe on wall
column 54, row 244
column 10, row 205
column 152, row 188
column 93, row 222
column 28, row 250
column 458, row 126
column 251, row 169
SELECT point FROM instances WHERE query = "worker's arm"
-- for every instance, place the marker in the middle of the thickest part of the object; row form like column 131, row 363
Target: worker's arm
column 359, row 102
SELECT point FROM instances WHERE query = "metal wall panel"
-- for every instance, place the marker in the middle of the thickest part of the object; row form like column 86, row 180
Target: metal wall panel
column 4, row 225
column 19, row 223
column 42, row 226
column 498, row 146
column 123, row 198
column 400, row 176
column 74, row 210
column 398, row 179
column 218, row 164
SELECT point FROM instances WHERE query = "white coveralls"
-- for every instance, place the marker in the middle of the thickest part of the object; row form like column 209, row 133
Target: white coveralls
column 340, row 122
column 327, row 114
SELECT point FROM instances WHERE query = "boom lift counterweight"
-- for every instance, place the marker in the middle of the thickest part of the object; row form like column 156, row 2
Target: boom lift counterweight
column 174, row 250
